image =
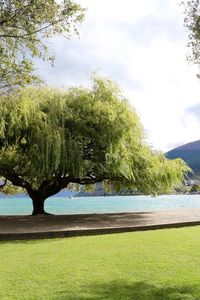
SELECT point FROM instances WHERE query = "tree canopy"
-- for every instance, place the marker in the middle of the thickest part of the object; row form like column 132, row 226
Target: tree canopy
column 192, row 22
column 51, row 138
column 25, row 27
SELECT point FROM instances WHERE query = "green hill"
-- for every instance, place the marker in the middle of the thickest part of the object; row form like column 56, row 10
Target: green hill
column 190, row 153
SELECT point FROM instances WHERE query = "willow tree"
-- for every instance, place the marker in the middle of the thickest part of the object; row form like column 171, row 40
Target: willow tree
column 52, row 138
column 25, row 27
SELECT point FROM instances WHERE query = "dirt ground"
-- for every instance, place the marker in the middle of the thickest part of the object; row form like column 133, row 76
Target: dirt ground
column 22, row 227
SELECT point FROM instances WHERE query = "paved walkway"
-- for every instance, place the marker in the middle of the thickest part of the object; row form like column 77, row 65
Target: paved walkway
column 34, row 227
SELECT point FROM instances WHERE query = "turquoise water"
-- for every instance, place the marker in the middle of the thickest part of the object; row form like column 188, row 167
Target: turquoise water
column 21, row 205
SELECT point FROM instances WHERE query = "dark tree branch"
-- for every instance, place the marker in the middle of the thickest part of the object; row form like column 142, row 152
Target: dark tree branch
column 26, row 34
column 86, row 180
column 18, row 181
column 51, row 187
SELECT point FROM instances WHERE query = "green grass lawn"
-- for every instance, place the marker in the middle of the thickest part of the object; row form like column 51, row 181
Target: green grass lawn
column 163, row 264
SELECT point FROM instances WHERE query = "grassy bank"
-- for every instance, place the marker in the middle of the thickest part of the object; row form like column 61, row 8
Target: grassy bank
column 162, row 264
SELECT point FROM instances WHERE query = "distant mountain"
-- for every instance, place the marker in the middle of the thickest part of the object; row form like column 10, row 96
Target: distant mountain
column 190, row 153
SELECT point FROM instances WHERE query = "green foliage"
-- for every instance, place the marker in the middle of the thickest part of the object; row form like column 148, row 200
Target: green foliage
column 25, row 27
column 191, row 157
column 192, row 22
column 10, row 189
column 83, row 136
column 195, row 188
column 158, row 175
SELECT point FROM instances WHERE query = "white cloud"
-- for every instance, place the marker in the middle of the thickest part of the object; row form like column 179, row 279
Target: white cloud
column 141, row 45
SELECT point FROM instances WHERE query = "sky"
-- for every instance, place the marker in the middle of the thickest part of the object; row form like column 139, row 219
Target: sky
column 142, row 45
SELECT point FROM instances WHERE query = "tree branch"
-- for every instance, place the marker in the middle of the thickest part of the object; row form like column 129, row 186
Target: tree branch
column 51, row 187
column 86, row 180
column 23, row 36
column 18, row 181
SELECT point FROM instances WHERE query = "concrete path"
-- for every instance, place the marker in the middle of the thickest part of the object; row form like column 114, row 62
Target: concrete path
column 49, row 226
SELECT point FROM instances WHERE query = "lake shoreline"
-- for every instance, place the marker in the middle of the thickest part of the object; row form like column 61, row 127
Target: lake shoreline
column 57, row 226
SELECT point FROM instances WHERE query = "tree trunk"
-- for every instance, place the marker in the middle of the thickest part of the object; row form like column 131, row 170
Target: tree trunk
column 46, row 189
column 38, row 206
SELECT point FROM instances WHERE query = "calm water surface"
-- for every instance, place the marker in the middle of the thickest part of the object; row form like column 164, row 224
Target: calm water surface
column 20, row 205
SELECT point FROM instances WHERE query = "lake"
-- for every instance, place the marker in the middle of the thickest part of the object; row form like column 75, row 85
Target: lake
column 21, row 204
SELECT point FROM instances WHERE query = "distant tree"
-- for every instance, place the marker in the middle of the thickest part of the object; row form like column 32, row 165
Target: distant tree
column 25, row 27
column 51, row 138
column 192, row 22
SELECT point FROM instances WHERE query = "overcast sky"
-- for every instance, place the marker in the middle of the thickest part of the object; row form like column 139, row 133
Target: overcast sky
column 142, row 46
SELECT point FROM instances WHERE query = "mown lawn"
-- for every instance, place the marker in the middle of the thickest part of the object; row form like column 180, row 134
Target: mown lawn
column 162, row 264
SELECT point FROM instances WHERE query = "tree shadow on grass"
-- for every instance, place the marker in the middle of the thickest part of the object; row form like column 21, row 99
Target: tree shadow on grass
column 116, row 290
